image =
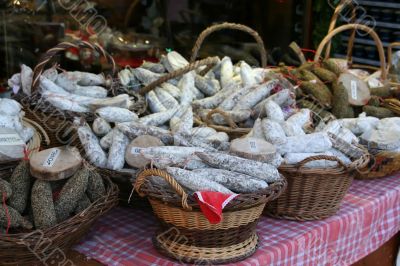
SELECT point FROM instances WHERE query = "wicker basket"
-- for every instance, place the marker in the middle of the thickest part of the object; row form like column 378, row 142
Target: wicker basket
column 232, row 130
column 314, row 193
column 186, row 235
column 50, row 245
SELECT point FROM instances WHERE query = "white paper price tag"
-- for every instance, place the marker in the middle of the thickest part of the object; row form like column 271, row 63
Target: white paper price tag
column 51, row 158
column 10, row 139
column 353, row 89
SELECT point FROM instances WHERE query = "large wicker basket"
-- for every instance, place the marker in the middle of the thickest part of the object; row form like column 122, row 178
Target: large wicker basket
column 232, row 129
column 50, row 245
column 314, row 193
column 186, row 235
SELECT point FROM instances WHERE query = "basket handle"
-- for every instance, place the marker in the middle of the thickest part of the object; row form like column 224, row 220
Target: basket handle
column 390, row 53
column 192, row 66
column 141, row 178
column 226, row 116
column 320, row 157
column 368, row 30
column 332, row 26
column 230, row 26
column 38, row 70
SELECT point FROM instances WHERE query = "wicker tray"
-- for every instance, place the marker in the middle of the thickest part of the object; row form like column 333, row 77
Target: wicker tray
column 43, row 246
column 186, row 235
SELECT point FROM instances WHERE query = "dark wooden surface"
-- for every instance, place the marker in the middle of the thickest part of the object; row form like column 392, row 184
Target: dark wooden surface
column 384, row 256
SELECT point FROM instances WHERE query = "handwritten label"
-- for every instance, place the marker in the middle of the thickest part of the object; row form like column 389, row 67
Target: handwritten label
column 253, row 146
column 354, row 89
column 135, row 150
column 10, row 140
column 51, row 158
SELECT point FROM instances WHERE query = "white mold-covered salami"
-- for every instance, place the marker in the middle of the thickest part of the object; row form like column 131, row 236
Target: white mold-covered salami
column 158, row 118
column 15, row 82
column 116, row 154
column 26, row 79
column 214, row 101
column 105, row 142
column 360, row 125
column 220, row 136
column 93, row 150
column 145, row 76
column 190, row 141
column 236, row 182
column 84, row 78
column 186, row 121
column 283, row 98
column 63, row 103
column 174, row 124
column 257, row 131
column 230, row 101
column 165, row 98
column 292, row 129
column 154, row 67
column 9, row 107
column 295, row 158
column 313, row 143
column 171, row 89
column 185, row 85
column 135, row 129
column 247, row 75
column 226, row 71
column 203, row 132
column 207, row 86
column 273, row 111
column 303, row 118
column 155, row 104
column 116, row 114
column 166, row 156
column 51, row 74
column 236, row 115
column 273, row 131
column 13, row 122
column 101, row 127
column 26, row 134
column 175, row 61
column 253, row 97
column 191, row 181
column 260, row 170
column 73, row 87
column 121, row 101
column 343, row 133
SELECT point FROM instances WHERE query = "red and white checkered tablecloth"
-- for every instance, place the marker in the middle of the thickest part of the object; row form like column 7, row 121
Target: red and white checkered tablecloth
column 369, row 216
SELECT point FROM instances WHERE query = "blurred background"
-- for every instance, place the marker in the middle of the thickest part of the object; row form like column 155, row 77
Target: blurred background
column 137, row 30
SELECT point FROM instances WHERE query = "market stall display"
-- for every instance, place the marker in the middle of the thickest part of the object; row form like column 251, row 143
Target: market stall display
column 62, row 207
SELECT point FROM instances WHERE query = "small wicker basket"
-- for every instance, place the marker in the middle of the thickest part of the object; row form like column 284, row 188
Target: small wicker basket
column 186, row 235
column 43, row 246
column 314, row 193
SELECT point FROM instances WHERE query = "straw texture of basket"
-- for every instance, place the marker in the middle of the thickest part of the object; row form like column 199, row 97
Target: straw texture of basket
column 314, row 193
column 186, row 235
